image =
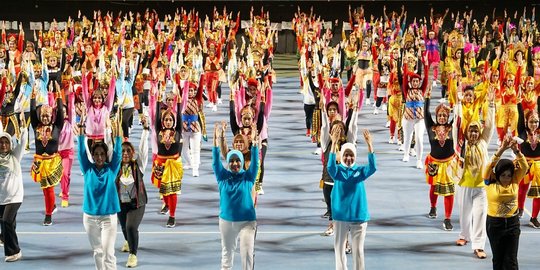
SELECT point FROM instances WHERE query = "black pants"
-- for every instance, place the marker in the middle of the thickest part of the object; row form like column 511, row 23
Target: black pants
column 327, row 190
column 368, row 89
column 308, row 109
column 378, row 102
column 8, row 216
column 263, row 155
column 130, row 218
column 503, row 234
column 218, row 90
column 127, row 120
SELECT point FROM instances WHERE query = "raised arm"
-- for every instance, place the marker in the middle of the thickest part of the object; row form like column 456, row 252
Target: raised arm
column 489, row 125
column 84, row 163
column 109, row 102
column 142, row 157
column 254, row 165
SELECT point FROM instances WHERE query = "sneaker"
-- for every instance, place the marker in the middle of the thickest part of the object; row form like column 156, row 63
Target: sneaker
column 13, row 258
column 376, row 111
column 210, row 105
column 520, row 212
column 326, row 215
column 131, row 261
column 412, row 152
column 434, row 83
column 164, row 209
column 195, row 172
column 329, row 231
column 391, row 140
column 384, row 107
column 480, row 253
column 401, row 148
column 125, row 247
column 261, row 192
column 447, row 225
column 442, row 100
column 186, row 167
column 368, row 101
column 461, row 242
column 47, row 221
column 214, row 108
column 419, row 164
column 65, row 203
column 318, row 151
column 387, row 124
column 348, row 249
column 308, row 132
column 219, row 101
column 534, row 223
column 1, row 243
column 405, row 158
column 171, row 222
column 432, row 213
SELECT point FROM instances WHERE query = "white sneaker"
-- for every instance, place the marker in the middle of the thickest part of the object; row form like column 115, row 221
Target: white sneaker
column 329, row 231
column 210, row 105
column 195, row 172
column 434, row 83
column 219, row 101
column 376, row 111
column 214, row 108
column 187, row 167
column 132, row 261
column 442, row 100
column 401, row 148
column 412, row 152
column 391, row 140
column 384, row 107
column 13, row 258
column 261, row 192
column 387, row 124
column 318, row 151
column 368, row 101
column 419, row 164
column 405, row 158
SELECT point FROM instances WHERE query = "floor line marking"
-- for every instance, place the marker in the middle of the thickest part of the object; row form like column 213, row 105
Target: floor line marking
column 258, row 232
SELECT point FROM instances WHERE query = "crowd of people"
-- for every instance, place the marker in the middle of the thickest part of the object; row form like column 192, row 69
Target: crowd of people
column 82, row 86
column 488, row 70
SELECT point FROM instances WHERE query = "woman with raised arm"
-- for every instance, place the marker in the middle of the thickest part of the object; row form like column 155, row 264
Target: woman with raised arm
column 237, row 218
column 167, row 170
column 100, row 196
column 11, row 191
column 470, row 191
column 440, row 172
column 349, row 201
column 132, row 193
column 47, row 167
column 502, row 224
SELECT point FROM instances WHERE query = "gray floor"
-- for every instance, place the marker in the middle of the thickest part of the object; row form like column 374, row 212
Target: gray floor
column 399, row 235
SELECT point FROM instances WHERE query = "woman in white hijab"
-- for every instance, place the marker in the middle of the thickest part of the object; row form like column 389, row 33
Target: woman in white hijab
column 11, row 191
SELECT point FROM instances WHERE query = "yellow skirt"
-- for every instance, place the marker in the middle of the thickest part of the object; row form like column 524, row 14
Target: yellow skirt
column 167, row 173
column 47, row 170
column 441, row 174
column 533, row 177
column 394, row 108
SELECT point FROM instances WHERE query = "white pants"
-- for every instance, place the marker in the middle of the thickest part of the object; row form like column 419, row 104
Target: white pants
column 418, row 126
column 191, row 149
column 230, row 233
column 101, row 232
column 358, row 235
column 472, row 215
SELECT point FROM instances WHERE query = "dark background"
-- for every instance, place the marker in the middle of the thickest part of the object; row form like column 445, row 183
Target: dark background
column 46, row 10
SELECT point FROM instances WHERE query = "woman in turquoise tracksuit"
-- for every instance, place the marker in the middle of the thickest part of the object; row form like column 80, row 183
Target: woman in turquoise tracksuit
column 100, row 202
column 237, row 219
column 349, row 201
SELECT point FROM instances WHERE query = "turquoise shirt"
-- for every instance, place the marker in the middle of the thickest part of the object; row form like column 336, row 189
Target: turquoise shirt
column 349, row 201
column 99, row 191
column 235, row 202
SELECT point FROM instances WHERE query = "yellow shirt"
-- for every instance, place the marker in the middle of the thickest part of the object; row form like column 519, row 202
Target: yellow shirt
column 502, row 200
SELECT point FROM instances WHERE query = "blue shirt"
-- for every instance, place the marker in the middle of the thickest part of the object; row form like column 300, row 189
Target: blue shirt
column 99, row 192
column 235, row 202
column 349, row 201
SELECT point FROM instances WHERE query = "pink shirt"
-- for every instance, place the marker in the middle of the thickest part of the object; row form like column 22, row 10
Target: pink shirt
column 65, row 141
column 96, row 118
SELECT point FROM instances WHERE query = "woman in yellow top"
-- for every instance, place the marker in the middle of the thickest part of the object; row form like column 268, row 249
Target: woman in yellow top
column 502, row 224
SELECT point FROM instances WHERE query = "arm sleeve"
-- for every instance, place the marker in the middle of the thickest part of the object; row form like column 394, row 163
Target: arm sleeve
column 370, row 168
column 331, row 166
column 83, row 157
column 217, row 166
column 117, row 154
column 18, row 151
column 142, row 158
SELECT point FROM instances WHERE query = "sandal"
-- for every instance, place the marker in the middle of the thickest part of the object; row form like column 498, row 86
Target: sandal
column 461, row 242
column 480, row 254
